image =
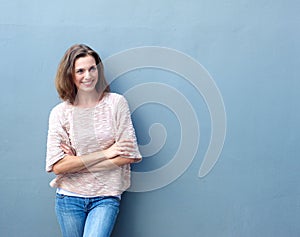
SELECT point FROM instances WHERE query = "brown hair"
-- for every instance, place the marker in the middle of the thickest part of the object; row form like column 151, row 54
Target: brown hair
column 64, row 82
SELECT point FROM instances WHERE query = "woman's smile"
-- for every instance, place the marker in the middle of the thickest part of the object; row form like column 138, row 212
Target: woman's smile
column 87, row 83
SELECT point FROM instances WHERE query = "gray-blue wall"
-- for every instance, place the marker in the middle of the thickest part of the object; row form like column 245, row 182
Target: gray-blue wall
column 251, row 50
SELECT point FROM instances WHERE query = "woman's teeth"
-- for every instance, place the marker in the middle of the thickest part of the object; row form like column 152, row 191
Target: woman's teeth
column 87, row 83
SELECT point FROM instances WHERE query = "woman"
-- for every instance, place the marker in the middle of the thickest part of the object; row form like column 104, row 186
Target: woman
column 91, row 144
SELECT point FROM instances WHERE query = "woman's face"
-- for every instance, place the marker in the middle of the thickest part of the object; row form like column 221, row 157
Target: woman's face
column 85, row 73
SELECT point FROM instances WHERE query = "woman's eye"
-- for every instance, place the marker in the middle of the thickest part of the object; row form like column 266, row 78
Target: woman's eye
column 93, row 69
column 79, row 71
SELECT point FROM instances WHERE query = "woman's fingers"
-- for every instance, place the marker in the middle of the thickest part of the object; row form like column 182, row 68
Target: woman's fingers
column 68, row 149
column 125, row 144
column 120, row 148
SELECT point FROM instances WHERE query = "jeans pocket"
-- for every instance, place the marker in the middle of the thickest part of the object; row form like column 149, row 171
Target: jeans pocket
column 60, row 196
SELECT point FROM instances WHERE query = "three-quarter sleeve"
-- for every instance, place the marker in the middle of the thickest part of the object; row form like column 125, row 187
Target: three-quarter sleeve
column 56, row 135
column 124, row 126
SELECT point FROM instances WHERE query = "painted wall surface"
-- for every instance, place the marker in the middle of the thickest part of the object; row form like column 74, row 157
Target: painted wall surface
column 251, row 50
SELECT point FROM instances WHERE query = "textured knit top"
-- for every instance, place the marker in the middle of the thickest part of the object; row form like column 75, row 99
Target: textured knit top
column 90, row 130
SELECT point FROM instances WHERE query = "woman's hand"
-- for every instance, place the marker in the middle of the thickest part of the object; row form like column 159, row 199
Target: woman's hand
column 122, row 148
column 67, row 149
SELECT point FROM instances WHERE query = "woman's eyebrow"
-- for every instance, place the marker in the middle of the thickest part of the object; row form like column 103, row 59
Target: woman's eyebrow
column 78, row 68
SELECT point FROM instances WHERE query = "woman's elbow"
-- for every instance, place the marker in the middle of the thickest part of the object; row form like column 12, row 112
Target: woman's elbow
column 56, row 169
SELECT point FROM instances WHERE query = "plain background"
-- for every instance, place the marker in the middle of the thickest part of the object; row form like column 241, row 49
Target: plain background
column 251, row 49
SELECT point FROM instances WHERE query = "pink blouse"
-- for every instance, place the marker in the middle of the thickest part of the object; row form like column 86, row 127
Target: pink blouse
column 89, row 130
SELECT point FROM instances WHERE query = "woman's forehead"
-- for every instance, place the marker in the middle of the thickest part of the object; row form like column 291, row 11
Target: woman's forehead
column 86, row 61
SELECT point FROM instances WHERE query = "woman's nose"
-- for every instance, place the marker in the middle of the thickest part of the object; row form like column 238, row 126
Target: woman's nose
column 87, row 75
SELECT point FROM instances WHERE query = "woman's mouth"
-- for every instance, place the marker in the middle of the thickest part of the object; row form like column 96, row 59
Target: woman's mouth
column 87, row 83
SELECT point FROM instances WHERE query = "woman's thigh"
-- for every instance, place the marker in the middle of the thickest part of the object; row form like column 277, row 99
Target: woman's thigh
column 102, row 217
column 71, row 215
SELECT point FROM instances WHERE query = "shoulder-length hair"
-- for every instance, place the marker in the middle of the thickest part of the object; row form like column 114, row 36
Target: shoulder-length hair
column 64, row 80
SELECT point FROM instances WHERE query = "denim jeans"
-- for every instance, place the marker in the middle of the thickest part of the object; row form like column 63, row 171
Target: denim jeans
column 86, row 217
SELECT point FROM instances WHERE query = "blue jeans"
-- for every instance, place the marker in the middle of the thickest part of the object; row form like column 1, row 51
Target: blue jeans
column 86, row 217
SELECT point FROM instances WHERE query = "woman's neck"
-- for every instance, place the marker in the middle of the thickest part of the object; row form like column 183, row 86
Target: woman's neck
column 87, row 99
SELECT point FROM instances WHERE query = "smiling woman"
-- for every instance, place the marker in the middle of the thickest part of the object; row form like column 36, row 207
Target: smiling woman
column 86, row 74
column 91, row 144
column 78, row 62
